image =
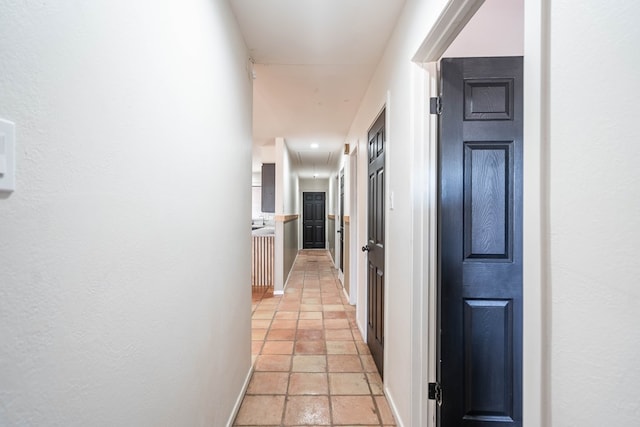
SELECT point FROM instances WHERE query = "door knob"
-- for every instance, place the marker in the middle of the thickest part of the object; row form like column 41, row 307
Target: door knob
column 365, row 248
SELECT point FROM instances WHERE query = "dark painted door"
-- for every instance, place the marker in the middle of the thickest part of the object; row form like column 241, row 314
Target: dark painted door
column 480, row 242
column 341, row 230
column 375, row 242
column 313, row 220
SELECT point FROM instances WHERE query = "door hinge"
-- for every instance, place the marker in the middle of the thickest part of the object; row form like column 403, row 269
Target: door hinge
column 435, row 393
column 435, row 105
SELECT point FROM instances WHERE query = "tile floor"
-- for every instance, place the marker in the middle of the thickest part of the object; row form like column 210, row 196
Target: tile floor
column 311, row 366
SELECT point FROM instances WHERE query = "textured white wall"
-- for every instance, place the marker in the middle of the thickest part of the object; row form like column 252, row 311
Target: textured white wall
column 393, row 85
column 292, row 203
column 292, row 228
column 594, row 193
column 287, row 202
column 496, row 29
column 124, row 296
column 286, row 180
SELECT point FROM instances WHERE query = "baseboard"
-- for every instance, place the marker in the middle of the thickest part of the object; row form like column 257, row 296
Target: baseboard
column 363, row 331
column 394, row 408
column 286, row 282
column 333, row 261
column 236, row 407
column 344, row 291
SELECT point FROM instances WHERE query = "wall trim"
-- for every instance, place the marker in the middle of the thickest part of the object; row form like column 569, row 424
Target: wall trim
column 346, row 219
column 236, row 407
column 424, row 261
column 286, row 282
column 331, row 217
column 393, row 407
column 451, row 21
column 536, row 372
column 286, row 218
column 353, row 230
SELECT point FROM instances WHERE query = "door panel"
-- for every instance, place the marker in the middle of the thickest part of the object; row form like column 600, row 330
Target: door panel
column 488, row 390
column 480, row 242
column 313, row 221
column 341, row 230
column 375, row 243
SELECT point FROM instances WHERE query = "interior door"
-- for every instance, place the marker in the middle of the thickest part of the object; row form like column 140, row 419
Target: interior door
column 375, row 242
column 313, row 236
column 341, row 229
column 480, row 242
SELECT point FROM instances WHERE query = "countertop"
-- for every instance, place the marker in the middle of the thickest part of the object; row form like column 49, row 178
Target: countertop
column 264, row 231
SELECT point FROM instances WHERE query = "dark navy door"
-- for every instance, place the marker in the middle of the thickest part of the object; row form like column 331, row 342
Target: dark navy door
column 375, row 242
column 313, row 220
column 341, row 230
column 480, row 242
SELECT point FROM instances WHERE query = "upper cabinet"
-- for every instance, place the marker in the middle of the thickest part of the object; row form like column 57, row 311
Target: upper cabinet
column 269, row 187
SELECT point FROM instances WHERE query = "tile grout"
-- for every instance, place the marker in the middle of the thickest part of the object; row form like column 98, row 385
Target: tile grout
column 310, row 286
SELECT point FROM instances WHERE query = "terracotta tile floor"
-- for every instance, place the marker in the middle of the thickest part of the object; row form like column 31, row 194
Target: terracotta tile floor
column 311, row 366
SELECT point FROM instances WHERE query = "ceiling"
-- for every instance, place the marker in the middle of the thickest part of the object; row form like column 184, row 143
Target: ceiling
column 313, row 62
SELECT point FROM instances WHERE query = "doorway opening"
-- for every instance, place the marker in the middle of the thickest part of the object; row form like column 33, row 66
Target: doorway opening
column 470, row 28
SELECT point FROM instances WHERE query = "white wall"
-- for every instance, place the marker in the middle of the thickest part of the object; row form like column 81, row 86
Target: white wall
column 594, row 212
column 393, row 85
column 286, row 181
column 287, row 203
column 496, row 29
column 124, row 296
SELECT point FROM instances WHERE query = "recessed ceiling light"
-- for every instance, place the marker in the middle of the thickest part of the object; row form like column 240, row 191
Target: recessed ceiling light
column 314, row 145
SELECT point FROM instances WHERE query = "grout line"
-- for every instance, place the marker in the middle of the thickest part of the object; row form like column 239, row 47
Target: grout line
column 315, row 283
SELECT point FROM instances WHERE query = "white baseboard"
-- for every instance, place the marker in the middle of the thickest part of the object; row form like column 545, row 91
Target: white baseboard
column 286, row 283
column 236, row 407
column 344, row 291
column 394, row 408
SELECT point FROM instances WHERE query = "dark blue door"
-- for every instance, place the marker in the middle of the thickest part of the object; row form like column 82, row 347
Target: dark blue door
column 313, row 220
column 375, row 242
column 480, row 242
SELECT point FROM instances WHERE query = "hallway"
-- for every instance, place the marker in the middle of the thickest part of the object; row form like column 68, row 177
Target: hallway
column 311, row 365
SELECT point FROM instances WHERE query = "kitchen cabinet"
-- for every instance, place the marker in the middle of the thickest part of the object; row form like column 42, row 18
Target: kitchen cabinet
column 269, row 187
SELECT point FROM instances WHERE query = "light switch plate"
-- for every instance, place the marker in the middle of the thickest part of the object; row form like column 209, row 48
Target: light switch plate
column 7, row 156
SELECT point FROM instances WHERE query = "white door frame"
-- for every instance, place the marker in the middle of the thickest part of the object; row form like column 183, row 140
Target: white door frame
column 353, row 226
column 536, row 366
